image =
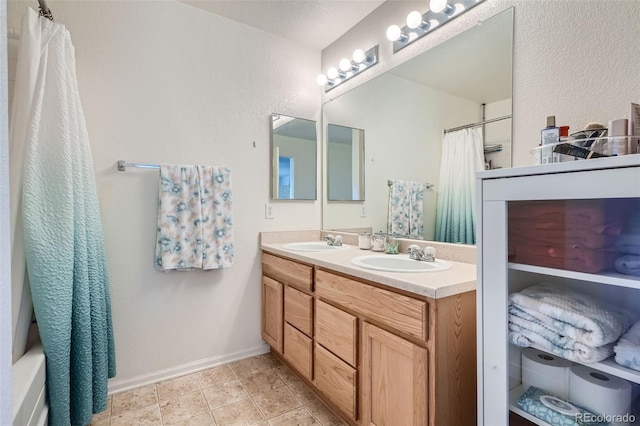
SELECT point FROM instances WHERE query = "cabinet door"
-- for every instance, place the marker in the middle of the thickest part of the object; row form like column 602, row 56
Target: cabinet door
column 272, row 321
column 394, row 380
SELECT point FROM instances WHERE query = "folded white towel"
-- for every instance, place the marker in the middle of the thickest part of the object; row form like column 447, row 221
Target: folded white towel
column 573, row 315
column 529, row 334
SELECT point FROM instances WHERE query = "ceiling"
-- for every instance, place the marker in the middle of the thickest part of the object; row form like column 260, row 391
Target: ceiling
column 314, row 23
column 475, row 65
column 293, row 127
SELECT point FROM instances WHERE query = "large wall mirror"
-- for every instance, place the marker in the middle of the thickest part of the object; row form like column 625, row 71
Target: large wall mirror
column 405, row 112
column 345, row 163
column 293, row 158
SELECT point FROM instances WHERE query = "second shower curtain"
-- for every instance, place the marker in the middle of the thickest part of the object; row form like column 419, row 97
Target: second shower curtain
column 462, row 157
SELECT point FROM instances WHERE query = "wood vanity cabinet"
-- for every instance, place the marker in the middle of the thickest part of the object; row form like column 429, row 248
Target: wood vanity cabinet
column 287, row 316
column 377, row 355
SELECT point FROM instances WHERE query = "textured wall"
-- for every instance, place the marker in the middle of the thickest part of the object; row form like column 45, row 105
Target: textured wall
column 166, row 82
column 574, row 59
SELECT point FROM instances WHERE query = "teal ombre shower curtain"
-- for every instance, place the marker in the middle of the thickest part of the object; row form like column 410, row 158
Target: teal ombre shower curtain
column 64, row 245
column 462, row 157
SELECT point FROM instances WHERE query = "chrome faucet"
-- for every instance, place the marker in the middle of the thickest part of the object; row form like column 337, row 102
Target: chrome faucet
column 426, row 255
column 333, row 240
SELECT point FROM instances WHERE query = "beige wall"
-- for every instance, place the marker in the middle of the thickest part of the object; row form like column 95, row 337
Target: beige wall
column 574, row 59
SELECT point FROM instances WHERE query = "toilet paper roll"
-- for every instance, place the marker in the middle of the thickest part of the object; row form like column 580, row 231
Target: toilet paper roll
column 598, row 391
column 545, row 371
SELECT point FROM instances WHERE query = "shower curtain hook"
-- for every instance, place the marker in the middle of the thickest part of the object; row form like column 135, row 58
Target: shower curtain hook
column 44, row 10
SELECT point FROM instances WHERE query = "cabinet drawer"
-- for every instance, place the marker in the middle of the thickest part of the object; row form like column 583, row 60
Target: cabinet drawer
column 403, row 313
column 298, row 309
column 288, row 272
column 336, row 331
column 298, row 350
column 336, row 380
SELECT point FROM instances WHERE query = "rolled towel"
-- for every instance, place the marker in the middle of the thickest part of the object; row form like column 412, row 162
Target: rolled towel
column 628, row 242
column 628, row 348
column 633, row 225
column 629, row 265
column 629, row 239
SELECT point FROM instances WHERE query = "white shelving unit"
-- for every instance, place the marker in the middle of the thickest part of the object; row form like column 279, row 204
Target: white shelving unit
column 609, row 278
column 606, row 178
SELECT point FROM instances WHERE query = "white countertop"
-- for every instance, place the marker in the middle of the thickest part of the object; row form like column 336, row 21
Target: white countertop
column 459, row 279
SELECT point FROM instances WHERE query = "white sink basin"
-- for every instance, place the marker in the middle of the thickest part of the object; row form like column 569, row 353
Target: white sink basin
column 312, row 246
column 398, row 263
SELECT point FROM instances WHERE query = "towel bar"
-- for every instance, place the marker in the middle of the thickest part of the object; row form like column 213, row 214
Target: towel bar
column 122, row 165
column 426, row 185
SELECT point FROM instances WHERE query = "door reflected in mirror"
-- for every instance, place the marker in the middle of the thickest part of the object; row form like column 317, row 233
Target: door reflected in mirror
column 345, row 163
column 293, row 158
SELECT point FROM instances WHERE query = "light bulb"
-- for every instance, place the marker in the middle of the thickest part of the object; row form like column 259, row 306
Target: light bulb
column 458, row 9
column 414, row 19
column 345, row 64
column 321, row 79
column 359, row 56
column 438, row 6
column 394, row 33
column 332, row 73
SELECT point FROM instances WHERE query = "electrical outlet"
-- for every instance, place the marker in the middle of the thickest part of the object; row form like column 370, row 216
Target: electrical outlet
column 268, row 211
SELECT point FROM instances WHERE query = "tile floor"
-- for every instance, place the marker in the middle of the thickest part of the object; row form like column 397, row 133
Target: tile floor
column 254, row 391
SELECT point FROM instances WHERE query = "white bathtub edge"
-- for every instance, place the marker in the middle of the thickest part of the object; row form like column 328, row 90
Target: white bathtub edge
column 28, row 382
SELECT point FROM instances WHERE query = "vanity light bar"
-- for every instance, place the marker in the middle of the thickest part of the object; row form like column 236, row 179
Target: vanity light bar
column 348, row 68
column 418, row 25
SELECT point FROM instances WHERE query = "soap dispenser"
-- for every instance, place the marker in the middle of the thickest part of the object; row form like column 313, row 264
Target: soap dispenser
column 548, row 136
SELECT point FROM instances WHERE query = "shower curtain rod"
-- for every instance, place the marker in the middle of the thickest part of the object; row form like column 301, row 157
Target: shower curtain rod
column 122, row 165
column 427, row 185
column 480, row 123
column 44, row 10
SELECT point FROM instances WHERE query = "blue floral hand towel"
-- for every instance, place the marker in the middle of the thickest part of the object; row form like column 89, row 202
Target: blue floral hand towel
column 406, row 209
column 194, row 218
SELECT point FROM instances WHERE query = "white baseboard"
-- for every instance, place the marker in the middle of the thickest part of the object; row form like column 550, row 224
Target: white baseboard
column 117, row 386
